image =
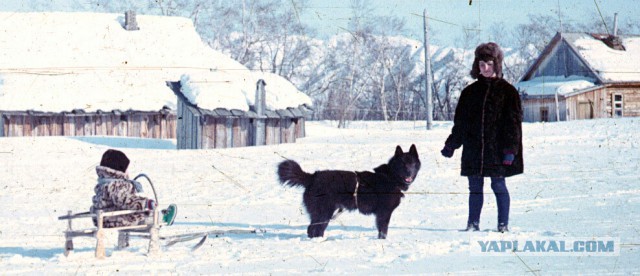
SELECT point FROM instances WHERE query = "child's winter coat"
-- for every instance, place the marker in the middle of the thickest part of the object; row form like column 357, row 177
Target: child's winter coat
column 115, row 192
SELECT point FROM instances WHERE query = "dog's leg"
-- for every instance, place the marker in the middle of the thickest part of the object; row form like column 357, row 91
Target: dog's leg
column 319, row 223
column 313, row 230
column 316, row 229
column 382, row 222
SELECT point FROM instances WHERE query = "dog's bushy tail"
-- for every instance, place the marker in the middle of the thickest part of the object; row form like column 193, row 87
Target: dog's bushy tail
column 291, row 174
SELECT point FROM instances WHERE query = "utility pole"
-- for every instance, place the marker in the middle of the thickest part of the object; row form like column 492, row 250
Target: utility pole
column 427, row 72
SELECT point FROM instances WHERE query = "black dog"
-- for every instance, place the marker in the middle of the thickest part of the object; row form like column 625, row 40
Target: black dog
column 377, row 192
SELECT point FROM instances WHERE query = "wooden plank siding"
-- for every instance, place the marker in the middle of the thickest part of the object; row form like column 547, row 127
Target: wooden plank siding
column 562, row 60
column 101, row 124
column 300, row 127
column 288, row 128
column 228, row 128
column 13, row 125
column 240, row 133
column 534, row 107
column 209, row 132
column 180, row 139
column 251, row 131
column 221, row 133
column 189, row 127
column 233, row 131
column 598, row 103
column 68, row 128
column 631, row 100
column 132, row 124
column 197, row 126
column 273, row 131
column 587, row 105
column 221, row 128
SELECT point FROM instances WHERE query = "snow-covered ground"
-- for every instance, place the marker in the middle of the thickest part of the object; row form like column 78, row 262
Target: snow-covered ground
column 581, row 180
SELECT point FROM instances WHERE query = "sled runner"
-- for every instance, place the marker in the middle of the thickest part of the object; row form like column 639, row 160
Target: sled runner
column 174, row 239
column 148, row 231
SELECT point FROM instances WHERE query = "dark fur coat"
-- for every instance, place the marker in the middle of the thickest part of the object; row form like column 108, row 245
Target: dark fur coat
column 488, row 124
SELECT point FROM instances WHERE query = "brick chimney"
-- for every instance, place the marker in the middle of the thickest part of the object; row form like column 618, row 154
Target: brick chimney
column 130, row 23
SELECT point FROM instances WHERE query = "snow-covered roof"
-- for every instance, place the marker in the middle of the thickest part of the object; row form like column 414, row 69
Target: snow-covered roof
column 63, row 61
column 611, row 65
column 551, row 85
column 608, row 64
column 237, row 89
column 605, row 65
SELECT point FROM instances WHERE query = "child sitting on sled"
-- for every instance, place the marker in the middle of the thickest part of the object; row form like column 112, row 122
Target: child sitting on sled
column 116, row 192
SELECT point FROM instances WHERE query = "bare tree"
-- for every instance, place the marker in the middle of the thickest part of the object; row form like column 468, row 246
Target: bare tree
column 532, row 37
column 500, row 33
column 386, row 56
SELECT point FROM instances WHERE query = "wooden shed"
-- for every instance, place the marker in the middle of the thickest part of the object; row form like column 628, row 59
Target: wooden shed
column 200, row 128
column 583, row 76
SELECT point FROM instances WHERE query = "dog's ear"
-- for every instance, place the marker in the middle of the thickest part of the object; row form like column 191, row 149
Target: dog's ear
column 413, row 150
column 399, row 151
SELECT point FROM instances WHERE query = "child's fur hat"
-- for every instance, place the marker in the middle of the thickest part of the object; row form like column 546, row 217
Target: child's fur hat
column 115, row 159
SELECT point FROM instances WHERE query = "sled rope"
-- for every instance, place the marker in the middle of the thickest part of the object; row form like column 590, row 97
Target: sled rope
column 155, row 195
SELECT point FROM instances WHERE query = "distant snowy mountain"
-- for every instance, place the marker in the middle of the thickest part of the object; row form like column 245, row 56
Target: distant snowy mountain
column 445, row 61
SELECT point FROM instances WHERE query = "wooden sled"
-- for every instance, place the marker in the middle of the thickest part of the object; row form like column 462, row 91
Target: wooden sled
column 147, row 230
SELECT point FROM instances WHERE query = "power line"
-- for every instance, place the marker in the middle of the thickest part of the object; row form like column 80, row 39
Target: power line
column 447, row 22
column 601, row 17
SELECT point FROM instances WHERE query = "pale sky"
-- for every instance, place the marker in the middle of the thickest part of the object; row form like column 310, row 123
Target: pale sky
column 330, row 16
column 450, row 17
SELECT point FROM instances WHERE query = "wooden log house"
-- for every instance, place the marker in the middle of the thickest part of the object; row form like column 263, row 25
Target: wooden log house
column 583, row 76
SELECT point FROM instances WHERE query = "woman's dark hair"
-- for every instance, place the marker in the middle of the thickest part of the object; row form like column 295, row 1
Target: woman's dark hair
column 486, row 52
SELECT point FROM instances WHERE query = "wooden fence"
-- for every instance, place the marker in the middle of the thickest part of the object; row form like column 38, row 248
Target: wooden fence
column 161, row 125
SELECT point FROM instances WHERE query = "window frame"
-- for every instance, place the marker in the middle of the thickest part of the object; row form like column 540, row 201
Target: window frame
column 617, row 111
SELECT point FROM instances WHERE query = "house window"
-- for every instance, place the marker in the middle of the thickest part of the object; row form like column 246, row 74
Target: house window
column 544, row 114
column 617, row 105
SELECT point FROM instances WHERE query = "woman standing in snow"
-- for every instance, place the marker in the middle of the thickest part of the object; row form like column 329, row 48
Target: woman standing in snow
column 488, row 125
